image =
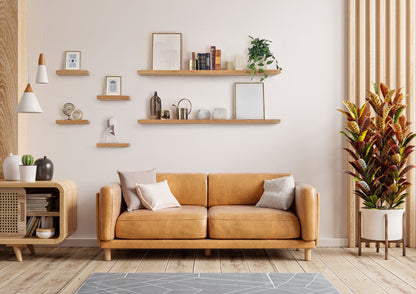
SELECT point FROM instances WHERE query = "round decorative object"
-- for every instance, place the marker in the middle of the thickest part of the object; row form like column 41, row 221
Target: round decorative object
column 44, row 171
column 203, row 114
column 219, row 113
column 68, row 109
column 27, row 173
column 76, row 114
column 11, row 167
column 45, row 233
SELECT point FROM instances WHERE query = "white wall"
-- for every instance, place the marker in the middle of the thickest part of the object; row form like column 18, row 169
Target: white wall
column 115, row 39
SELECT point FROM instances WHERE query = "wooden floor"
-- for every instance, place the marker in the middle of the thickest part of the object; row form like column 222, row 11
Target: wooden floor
column 63, row 270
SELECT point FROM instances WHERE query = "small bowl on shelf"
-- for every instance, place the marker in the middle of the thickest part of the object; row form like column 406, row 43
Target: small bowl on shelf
column 45, row 233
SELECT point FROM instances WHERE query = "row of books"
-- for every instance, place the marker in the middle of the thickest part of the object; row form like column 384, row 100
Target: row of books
column 210, row 60
column 40, row 202
column 34, row 222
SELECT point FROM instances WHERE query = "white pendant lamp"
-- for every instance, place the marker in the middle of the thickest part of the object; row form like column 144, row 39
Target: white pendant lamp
column 28, row 103
column 42, row 74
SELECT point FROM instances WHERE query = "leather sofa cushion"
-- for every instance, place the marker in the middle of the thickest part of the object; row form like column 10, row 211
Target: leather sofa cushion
column 188, row 189
column 250, row 222
column 237, row 189
column 185, row 222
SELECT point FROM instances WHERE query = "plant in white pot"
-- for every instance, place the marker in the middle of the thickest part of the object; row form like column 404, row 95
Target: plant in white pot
column 379, row 139
column 28, row 169
column 259, row 57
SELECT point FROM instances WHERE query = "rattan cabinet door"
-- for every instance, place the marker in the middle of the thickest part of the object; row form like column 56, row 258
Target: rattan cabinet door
column 12, row 212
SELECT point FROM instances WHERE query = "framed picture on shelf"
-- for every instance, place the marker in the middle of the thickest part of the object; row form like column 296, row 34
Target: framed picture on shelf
column 113, row 85
column 249, row 101
column 72, row 60
column 166, row 51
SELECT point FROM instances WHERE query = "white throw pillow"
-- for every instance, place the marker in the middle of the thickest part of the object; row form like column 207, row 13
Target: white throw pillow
column 156, row 196
column 278, row 193
column 128, row 181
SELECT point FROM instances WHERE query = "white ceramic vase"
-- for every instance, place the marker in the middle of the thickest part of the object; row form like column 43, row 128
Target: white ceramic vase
column 11, row 167
column 373, row 220
column 27, row 173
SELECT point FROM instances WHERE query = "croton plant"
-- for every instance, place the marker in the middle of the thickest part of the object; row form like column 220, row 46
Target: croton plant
column 379, row 139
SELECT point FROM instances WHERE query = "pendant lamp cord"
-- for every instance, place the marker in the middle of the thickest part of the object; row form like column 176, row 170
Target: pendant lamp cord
column 28, row 36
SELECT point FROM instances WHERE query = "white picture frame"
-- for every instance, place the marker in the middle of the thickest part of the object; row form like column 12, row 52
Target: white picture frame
column 113, row 85
column 72, row 60
column 249, row 101
column 167, row 51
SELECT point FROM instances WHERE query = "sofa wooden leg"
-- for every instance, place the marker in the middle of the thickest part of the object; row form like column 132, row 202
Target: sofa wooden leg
column 207, row 252
column 107, row 254
column 308, row 254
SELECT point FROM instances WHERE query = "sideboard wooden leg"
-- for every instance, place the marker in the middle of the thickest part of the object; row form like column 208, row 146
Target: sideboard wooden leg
column 31, row 249
column 308, row 254
column 207, row 252
column 18, row 251
column 107, row 254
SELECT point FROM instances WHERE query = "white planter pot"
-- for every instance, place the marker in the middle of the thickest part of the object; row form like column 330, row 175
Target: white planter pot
column 27, row 173
column 11, row 167
column 373, row 220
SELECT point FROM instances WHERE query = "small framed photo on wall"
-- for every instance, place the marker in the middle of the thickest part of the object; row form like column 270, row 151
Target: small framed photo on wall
column 72, row 60
column 166, row 51
column 249, row 101
column 113, row 85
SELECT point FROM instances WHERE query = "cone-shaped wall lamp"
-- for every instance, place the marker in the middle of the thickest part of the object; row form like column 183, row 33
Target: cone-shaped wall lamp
column 28, row 103
column 42, row 74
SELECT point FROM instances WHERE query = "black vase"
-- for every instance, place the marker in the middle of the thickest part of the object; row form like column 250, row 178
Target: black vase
column 44, row 171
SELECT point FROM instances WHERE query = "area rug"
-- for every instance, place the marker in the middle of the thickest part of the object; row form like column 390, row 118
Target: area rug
column 207, row 283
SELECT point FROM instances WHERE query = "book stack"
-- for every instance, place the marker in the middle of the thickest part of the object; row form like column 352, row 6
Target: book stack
column 40, row 202
column 210, row 60
column 34, row 222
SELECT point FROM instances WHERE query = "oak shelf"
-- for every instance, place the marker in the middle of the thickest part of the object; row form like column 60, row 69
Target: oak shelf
column 113, row 98
column 210, row 121
column 113, row 145
column 42, row 213
column 72, row 122
column 223, row 72
column 73, row 72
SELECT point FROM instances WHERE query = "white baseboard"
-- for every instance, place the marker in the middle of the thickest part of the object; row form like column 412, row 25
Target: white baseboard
column 92, row 242
column 332, row 242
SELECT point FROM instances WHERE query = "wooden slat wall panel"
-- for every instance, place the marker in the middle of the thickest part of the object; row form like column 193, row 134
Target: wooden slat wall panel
column 381, row 48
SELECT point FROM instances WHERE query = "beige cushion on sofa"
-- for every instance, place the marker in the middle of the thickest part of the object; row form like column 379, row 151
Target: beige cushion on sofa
column 156, row 196
column 128, row 181
column 278, row 193
column 250, row 222
column 185, row 222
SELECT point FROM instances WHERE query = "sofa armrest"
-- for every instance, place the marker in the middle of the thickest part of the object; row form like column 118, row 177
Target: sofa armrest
column 109, row 204
column 307, row 210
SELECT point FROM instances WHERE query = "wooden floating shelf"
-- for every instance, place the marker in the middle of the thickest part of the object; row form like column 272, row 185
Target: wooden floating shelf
column 113, row 98
column 73, row 72
column 42, row 213
column 72, row 122
column 222, row 72
column 113, row 145
column 210, row 121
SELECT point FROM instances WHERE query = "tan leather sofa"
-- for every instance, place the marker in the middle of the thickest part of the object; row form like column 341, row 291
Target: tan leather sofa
column 217, row 211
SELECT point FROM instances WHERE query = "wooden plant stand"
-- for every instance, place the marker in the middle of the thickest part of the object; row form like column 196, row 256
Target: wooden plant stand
column 386, row 237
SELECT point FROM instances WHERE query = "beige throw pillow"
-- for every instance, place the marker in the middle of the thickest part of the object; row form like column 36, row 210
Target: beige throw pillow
column 278, row 193
column 128, row 181
column 156, row 196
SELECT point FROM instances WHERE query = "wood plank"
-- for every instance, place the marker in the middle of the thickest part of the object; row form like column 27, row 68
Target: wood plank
column 258, row 261
column 97, row 265
column 233, row 261
column 209, row 121
column 73, row 72
column 283, row 261
column 315, row 265
column 113, row 145
column 181, row 261
column 200, row 72
column 113, row 98
column 127, row 260
column 350, row 275
column 380, row 276
column 154, row 261
column 72, row 122
column 207, row 264
column 42, row 213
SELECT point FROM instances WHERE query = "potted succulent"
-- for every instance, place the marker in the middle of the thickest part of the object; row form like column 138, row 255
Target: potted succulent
column 379, row 139
column 259, row 57
column 28, row 169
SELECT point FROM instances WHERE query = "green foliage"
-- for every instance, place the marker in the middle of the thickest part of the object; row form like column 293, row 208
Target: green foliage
column 379, row 147
column 28, row 159
column 259, row 55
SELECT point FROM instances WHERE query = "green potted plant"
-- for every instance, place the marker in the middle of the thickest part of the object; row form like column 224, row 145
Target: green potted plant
column 259, row 56
column 28, row 169
column 379, row 139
